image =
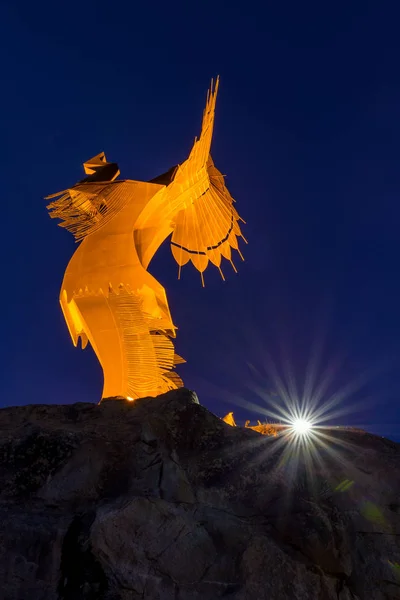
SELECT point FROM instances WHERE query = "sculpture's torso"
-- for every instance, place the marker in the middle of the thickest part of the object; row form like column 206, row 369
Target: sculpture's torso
column 108, row 258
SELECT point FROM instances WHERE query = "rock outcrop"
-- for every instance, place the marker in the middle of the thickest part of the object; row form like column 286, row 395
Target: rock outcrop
column 161, row 500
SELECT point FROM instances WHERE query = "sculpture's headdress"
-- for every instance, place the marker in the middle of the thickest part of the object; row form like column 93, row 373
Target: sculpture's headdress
column 99, row 169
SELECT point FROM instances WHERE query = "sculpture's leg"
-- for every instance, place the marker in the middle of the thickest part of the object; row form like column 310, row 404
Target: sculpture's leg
column 136, row 358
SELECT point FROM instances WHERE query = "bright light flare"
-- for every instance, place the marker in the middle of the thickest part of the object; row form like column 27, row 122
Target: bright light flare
column 301, row 426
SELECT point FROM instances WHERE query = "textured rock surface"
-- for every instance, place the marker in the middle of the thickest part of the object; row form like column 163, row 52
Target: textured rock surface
column 161, row 500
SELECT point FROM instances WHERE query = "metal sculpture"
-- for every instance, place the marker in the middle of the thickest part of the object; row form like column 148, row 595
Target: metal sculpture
column 108, row 297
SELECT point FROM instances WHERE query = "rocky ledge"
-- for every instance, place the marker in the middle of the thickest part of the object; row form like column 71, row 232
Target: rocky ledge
column 162, row 500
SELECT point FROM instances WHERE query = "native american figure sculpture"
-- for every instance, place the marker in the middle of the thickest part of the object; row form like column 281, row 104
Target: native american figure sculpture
column 108, row 297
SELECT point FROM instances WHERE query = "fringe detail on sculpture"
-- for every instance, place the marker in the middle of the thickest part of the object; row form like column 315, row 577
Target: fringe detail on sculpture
column 208, row 227
column 86, row 207
column 148, row 351
column 173, row 380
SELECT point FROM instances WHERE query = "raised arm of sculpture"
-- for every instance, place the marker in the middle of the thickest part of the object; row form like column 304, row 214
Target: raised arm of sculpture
column 108, row 297
column 199, row 210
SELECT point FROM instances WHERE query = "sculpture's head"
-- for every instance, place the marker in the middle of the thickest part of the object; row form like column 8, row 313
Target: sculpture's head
column 98, row 169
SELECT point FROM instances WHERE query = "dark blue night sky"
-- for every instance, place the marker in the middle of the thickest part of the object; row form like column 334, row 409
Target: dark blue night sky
column 307, row 132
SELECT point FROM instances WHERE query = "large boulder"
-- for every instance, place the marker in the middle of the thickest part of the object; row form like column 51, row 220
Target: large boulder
column 161, row 500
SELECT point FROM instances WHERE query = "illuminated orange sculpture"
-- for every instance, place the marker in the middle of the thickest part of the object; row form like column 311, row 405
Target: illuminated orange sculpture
column 108, row 297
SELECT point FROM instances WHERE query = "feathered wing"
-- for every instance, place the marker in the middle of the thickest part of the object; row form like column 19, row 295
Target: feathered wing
column 199, row 155
column 207, row 227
